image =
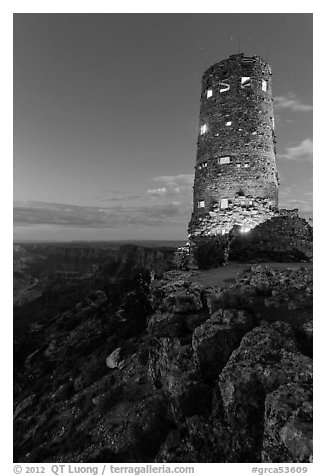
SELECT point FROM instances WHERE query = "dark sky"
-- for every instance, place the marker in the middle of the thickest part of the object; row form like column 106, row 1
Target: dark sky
column 106, row 110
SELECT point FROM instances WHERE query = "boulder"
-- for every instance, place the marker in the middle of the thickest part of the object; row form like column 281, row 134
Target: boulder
column 171, row 368
column 135, row 430
column 113, row 360
column 288, row 425
column 199, row 440
column 214, row 341
column 182, row 302
column 266, row 359
column 167, row 324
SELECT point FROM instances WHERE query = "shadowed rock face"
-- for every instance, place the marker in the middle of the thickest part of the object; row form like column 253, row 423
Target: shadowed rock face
column 214, row 340
column 266, row 359
column 172, row 368
column 287, row 424
column 199, row 374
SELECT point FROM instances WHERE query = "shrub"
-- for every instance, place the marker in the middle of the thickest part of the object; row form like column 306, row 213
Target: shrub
column 210, row 252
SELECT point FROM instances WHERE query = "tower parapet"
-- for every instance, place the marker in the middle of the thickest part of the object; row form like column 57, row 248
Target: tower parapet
column 236, row 180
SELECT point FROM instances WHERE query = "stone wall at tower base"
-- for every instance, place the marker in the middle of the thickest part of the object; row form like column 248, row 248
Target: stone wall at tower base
column 283, row 238
column 245, row 210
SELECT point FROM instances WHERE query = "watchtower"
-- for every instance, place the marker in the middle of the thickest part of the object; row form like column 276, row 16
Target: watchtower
column 236, row 180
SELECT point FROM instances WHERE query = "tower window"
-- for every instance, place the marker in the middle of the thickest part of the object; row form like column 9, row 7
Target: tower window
column 228, row 123
column 209, row 93
column 238, row 165
column 223, row 87
column 224, row 203
column 246, row 165
column 245, row 82
column 201, row 204
column 203, row 129
column 224, row 160
column 246, row 60
column 264, row 85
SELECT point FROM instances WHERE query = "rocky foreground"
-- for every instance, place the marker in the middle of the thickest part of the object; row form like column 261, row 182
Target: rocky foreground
column 174, row 371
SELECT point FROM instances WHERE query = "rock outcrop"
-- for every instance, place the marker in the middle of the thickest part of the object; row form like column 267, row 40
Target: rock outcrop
column 288, row 424
column 171, row 371
column 266, row 359
column 214, row 340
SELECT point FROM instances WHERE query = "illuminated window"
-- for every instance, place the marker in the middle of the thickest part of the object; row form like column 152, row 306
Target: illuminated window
column 264, row 85
column 209, row 93
column 223, row 87
column 223, row 231
column 238, row 165
column 203, row 165
column 247, row 60
column 224, row 203
column 246, row 165
column 228, row 123
column 224, row 160
column 245, row 82
column 201, row 204
column 203, row 129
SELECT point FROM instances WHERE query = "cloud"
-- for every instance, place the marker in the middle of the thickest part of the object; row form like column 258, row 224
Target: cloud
column 180, row 180
column 301, row 205
column 292, row 103
column 41, row 213
column 172, row 189
column 173, row 185
column 157, row 191
column 116, row 196
column 169, row 203
column 296, row 196
column 304, row 151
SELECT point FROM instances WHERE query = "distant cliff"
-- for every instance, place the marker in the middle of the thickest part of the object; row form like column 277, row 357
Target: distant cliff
column 43, row 259
column 46, row 276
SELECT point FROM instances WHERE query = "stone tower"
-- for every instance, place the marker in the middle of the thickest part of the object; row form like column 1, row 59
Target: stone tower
column 236, row 181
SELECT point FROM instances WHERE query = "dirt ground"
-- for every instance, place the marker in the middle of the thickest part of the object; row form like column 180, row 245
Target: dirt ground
column 225, row 275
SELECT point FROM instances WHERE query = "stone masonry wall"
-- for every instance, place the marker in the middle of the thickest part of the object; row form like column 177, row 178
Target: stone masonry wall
column 237, row 125
column 285, row 237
